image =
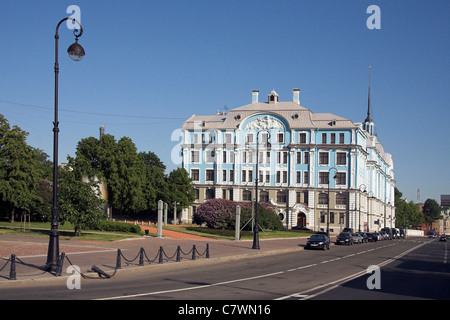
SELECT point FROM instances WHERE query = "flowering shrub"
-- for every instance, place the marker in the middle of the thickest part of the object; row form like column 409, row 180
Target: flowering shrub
column 221, row 214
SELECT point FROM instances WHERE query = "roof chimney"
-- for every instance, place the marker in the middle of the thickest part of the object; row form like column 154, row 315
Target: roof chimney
column 255, row 94
column 296, row 96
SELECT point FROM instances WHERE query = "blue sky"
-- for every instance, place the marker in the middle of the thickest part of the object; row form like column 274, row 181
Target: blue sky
column 149, row 65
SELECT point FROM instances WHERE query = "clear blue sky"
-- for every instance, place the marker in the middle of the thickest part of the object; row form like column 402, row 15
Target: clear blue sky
column 149, row 65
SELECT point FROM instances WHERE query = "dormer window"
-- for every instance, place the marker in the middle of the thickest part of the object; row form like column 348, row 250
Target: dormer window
column 273, row 97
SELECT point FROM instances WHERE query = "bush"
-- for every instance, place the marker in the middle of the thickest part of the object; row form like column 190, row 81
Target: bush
column 112, row 226
column 221, row 214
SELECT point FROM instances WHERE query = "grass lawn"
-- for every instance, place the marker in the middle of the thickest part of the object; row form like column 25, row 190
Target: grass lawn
column 66, row 231
column 245, row 235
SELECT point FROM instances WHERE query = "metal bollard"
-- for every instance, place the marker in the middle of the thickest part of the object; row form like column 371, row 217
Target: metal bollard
column 161, row 251
column 141, row 257
column 207, row 251
column 118, row 259
column 193, row 252
column 178, row 254
column 12, row 271
column 60, row 264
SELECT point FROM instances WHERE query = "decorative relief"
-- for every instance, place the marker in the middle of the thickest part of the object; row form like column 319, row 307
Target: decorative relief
column 265, row 123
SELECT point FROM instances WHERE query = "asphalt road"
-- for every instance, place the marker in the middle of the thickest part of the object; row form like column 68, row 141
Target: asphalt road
column 409, row 269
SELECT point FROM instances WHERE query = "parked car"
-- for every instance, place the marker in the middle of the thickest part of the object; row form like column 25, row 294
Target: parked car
column 402, row 233
column 344, row 238
column 318, row 241
column 443, row 237
column 364, row 236
column 357, row 238
column 388, row 231
column 372, row 237
column 378, row 235
column 348, row 230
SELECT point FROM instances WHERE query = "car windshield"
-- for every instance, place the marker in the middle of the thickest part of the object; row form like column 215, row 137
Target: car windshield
column 316, row 237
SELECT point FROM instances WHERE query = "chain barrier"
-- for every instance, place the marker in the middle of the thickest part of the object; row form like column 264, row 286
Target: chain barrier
column 142, row 255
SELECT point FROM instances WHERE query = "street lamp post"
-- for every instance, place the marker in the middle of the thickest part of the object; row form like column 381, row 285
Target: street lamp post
column 255, row 227
column 359, row 222
column 76, row 53
column 328, row 214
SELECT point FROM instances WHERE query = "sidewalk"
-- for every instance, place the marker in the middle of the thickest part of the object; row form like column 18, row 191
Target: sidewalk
column 31, row 253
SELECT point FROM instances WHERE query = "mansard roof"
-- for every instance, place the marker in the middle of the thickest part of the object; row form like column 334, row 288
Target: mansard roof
column 297, row 117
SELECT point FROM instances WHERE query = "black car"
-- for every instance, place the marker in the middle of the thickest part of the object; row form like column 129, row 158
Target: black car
column 372, row 237
column 318, row 241
column 443, row 238
column 344, row 238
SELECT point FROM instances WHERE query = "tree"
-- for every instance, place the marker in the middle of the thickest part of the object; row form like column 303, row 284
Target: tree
column 406, row 213
column 19, row 169
column 79, row 201
column 431, row 211
column 180, row 189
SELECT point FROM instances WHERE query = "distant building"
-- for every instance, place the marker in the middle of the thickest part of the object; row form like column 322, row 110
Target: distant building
column 300, row 156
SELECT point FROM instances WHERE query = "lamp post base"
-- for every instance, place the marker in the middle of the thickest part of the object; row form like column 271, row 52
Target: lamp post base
column 53, row 251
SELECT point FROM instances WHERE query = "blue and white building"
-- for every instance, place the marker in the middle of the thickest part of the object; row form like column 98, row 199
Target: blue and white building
column 308, row 163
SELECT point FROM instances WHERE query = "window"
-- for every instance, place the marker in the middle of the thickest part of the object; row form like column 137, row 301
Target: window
column 333, row 138
column 228, row 137
column 298, row 197
column 224, row 157
column 264, row 196
column 299, row 177
column 341, row 198
column 195, row 175
column 244, row 176
column 210, row 194
column 247, row 195
column 282, row 157
column 281, row 196
column 195, row 138
column 284, row 176
column 302, row 137
column 323, row 198
column 323, row 177
column 249, row 138
column 224, row 194
column 299, row 157
column 209, row 175
column 306, row 157
column 341, row 138
column 231, row 175
column 195, row 156
column 250, row 175
column 278, row 179
column 323, row 158
column 341, row 158
column 306, row 177
column 324, row 138
column 231, row 157
column 267, row 176
column 341, row 178
column 224, row 175
column 280, row 137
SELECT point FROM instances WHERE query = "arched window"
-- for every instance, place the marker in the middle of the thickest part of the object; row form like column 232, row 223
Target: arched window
column 323, row 198
column 264, row 196
column 247, row 195
column 341, row 198
column 281, row 196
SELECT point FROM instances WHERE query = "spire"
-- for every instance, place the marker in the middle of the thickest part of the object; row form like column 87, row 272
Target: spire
column 368, row 119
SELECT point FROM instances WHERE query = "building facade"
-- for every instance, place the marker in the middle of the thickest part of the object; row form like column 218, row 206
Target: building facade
column 313, row 167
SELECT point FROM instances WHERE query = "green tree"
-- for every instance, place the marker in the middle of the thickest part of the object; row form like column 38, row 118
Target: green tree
column 79, row 200
column 19, row 170
column 180, row 189
column 431, row 211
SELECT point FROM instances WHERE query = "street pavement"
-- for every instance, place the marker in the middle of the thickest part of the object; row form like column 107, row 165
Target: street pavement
column 31, row 253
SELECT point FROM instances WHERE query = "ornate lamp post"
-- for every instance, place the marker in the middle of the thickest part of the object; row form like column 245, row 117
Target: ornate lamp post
column 328, row 211
column 255, row 227
column 76, row 53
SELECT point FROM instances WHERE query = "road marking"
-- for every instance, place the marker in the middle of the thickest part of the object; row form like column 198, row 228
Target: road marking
column 335, row 284
column 300, row 295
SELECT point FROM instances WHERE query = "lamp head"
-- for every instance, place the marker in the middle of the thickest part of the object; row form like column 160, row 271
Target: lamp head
column 76, row 51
